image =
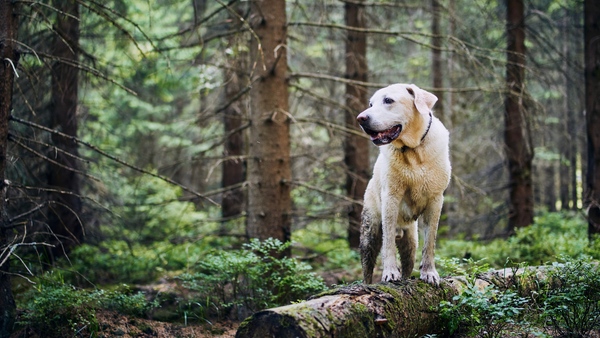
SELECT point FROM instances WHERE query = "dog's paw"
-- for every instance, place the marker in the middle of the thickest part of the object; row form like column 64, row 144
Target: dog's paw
column 391, row 275
column 431, row 276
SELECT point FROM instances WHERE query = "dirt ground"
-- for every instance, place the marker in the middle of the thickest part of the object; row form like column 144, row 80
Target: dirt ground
column 114, row 325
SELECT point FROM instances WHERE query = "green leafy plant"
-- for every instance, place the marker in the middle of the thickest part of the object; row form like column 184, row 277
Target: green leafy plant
column 486, row 312
column 571, row 300
column 61, row 310
column 552, row 233
column 249, row 279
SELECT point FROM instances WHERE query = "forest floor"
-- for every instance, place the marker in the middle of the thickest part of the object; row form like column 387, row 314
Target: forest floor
column 112, row 324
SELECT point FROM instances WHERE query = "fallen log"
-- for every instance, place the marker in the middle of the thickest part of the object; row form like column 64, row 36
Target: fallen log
column 407, row 308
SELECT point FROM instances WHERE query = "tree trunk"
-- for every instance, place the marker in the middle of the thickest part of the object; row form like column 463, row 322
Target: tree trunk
column 592, row 108
column 550, row 187
column 63, row 219
column 436, row 59
column 518, row 148
column 235, row 77
column 406, row 308
column 356, row 148
column 564, row 173
column 453, row 101
column 565, row 145
column 269, row 169
column 572, row 114
column 8, row 34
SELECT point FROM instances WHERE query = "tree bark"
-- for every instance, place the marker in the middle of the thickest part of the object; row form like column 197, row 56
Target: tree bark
column 550, row 187
column 269, row 168
column 63, row 219
column 517, row 143
column 235, row 77
column 8, row 34
column 564, row 173
column 592, row 108
column 572, row 112
column 436, row 59
column 406, row 308
column 356, row 148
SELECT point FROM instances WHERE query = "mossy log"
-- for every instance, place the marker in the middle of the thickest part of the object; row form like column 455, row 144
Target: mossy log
column 407, row 308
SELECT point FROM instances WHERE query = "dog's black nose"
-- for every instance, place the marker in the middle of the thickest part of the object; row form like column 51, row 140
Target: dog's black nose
column 362, row 118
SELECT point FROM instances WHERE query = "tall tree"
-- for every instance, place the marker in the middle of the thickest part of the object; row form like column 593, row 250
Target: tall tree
column 235, row 77
column 9, row 58
column 436, row 59
column 565, row 146
column 356, row 148
column 269, row 167
column 64, row 218
column 517, row 142
column 549, row 185
column 591, row 32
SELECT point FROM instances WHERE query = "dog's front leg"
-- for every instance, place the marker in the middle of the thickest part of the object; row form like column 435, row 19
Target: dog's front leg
column 431, row 218
column 390, row 208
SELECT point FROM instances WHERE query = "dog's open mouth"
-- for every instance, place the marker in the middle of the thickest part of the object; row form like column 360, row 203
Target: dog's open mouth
column 384, row 137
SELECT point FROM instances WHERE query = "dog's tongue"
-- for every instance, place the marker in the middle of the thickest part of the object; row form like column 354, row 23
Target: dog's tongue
column 386, row 136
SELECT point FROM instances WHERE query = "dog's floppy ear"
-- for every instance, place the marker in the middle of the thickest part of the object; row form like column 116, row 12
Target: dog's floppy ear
column 424, row 100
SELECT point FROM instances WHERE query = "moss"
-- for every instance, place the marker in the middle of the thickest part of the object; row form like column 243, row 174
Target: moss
column 244, row 325
column 388, row 290
column 325, row 293
column 362, row 324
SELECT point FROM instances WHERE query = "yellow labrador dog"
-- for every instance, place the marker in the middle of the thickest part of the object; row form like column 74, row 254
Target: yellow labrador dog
column 409, row 179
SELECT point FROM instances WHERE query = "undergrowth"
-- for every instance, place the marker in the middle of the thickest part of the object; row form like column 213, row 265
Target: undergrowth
column 564, row 303
column 552, row 234
column 55, row 309
column 248, row 280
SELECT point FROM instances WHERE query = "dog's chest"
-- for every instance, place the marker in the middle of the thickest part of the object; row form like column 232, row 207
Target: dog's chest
column 415, row 184
column 412, row 206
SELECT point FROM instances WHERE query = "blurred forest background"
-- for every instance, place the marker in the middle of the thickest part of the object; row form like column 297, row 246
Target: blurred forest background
column 150, row 140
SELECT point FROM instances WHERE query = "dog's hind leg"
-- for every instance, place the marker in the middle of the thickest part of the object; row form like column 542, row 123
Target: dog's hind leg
column 406, row 242
column 370, row 244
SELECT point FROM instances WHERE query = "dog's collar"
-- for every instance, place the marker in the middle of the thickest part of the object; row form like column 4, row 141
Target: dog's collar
column 404, row 148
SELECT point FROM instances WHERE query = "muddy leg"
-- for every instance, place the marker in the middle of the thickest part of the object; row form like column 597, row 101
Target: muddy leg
column 407, row 243
column 370, row 244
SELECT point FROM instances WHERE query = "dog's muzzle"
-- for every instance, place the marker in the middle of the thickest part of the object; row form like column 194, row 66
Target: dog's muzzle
column 383, row 137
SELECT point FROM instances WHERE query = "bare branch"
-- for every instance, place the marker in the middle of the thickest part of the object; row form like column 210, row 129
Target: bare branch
column 312, row 187
column 48, row 6
column 197, row 24
column 103, row 153
column 126, row 19
column 116, row 24
column 53, row 148
column 225, row 137
column 379, row 85
column 65, row 193
column 11, row 138
column 334, row 125
column 80, row 66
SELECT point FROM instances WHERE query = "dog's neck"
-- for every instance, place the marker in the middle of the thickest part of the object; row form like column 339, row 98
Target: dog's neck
column 405, row 147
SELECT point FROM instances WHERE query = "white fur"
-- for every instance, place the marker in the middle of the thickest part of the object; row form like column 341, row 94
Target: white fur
column 406, row 184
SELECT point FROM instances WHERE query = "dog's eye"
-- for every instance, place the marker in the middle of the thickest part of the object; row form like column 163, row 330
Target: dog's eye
column 370, row 104
column 410, row 91
column 387, row 100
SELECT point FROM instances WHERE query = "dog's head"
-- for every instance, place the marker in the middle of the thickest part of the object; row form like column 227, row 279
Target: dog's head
column 400, row 111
